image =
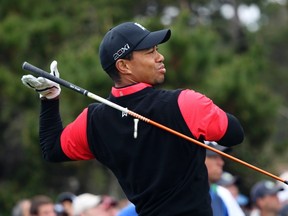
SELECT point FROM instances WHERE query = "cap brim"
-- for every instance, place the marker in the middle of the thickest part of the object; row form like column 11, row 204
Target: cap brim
column 153, row 39
column 275, row 190
column 220, row 148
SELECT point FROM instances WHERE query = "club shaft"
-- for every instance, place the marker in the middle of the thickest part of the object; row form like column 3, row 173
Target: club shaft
column 39, row 72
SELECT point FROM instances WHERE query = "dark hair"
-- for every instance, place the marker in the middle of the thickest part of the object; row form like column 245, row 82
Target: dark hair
column 113, row 72
column 65, row 196
column 38, row 201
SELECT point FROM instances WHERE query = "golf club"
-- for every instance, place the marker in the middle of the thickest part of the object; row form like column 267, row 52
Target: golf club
column 39, row 72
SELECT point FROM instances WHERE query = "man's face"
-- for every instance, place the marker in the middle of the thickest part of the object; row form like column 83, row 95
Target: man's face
column 214, row 166
column 46, row 210
column 67, row 204
column 147, row 66
column 269, row 203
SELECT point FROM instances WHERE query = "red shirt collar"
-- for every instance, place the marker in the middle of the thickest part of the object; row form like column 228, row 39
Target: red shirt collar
column 119, row 92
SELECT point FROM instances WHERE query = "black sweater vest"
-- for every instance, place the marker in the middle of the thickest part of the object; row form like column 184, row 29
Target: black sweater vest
column 161, row 173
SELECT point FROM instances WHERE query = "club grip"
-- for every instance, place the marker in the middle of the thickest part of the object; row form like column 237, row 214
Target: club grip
column 39, row 72
column 35, row 70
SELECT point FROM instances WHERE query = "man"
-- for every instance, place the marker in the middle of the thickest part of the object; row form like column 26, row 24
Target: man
column 42, row 205
column 22, row 208
column 283, row 195
column 160, row 173
column 231, row 183
column 64, row 203
column 264, row 198
column 88, row 204
column 223, row 203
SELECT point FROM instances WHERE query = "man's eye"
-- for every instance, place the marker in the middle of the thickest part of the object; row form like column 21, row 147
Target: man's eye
column 152, row 50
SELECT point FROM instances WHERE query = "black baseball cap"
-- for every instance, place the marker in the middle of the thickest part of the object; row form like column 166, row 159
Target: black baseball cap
column 65, row 196
column 263, row 188
column 127, row 37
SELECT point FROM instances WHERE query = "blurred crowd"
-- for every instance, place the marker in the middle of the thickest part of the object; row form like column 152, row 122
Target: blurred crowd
column 69, row 204
column 266, row 198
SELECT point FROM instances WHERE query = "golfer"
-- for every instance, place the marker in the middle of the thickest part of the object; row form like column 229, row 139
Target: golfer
column 160, row 173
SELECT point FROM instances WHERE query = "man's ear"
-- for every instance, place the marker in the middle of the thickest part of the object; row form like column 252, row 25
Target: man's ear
column 121, row 65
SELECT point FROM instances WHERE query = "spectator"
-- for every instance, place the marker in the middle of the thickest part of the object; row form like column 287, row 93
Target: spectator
column 223, row 203
column 88, row 204
column 264, row 198
column 64, row 203
column 231, row 183
column 110, row 204
column 22, row 208
column 42, row 205
column 283, row 195
column 59, row 209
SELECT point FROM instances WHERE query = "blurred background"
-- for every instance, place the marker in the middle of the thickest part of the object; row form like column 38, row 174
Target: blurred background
column 234, row 51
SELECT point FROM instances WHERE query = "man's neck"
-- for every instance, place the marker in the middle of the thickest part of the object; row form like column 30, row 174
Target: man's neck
column 119, row 92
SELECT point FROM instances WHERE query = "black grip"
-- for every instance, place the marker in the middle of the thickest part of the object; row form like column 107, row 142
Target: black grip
column 39, row 72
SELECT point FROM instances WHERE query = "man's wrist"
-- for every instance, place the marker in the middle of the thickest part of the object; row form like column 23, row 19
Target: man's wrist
column 44, row 98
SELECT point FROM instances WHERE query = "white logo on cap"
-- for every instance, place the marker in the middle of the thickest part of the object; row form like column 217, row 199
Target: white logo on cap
column 269, row 185
column 121, row 51
column 140, row 26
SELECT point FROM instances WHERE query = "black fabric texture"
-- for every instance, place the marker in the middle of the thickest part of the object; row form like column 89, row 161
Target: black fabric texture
column 50, row 131
column 234, row 134
column 161, row 173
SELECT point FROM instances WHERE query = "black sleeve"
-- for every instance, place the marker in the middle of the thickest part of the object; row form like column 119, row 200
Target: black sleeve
column 50, row 129
column 234, row 134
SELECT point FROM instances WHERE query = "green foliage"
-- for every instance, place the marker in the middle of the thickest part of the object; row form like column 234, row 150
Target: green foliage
column 190, row 53
column 237, row 88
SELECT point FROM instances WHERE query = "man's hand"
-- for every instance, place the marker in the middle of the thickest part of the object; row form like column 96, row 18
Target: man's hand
column 44, row 87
